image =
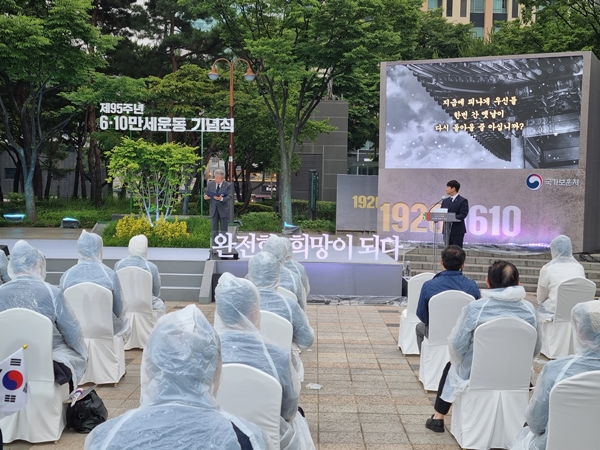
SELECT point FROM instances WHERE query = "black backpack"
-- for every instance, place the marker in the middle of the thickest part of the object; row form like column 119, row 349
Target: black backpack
column 86, row 413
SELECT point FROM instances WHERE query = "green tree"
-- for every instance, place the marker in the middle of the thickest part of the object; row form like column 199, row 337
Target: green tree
column 298, row 47
column 43, row 51
column 153, row 173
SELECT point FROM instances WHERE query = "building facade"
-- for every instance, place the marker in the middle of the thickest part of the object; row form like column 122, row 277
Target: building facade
column 482, row 13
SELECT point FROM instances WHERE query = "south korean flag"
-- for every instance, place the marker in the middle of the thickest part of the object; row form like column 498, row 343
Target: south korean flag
column 14, row 391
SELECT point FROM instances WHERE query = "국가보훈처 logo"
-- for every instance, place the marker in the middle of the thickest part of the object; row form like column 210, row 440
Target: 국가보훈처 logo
column 534, row 181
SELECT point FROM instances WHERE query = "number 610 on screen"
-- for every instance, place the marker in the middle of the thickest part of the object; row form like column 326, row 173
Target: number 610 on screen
column 401, row 217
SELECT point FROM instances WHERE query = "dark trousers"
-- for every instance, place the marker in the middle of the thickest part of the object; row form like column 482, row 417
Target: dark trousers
column 456, row 239
column 440, row 405
column 1, row 444
column 422, row 332
column 215, row 221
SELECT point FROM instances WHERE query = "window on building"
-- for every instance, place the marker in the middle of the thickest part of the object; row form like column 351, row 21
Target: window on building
column 500, row 6
column 448, row 8
column 477, row 32
column 433, row 4
column 515, row 9
column 463, row 8
column 477, row 6
column 9, row 173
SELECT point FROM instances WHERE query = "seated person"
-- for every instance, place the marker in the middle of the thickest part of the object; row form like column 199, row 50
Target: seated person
column 4, row 278
column 180, row 371
column 504, row 299
column 90, row 269
column 288, row 280
column 238, row 310
column 295, row 266
column 27, row 268
column 138, row 252
column 563, row 267
column 585, row 318
column 264, row 272
column 451, row 278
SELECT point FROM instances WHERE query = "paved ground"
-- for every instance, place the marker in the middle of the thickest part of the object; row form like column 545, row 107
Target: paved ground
column 370, row 399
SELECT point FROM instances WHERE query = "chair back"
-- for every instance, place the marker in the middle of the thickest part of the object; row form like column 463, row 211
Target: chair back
column 571, row 292
column 20, row 326
column 136, row 285
column 413, row 291
column 574, row 409
column 502, row 355
column 444, row 310
column 287, row 293
column 253, row 395
column 277, row 329
column 92, row 306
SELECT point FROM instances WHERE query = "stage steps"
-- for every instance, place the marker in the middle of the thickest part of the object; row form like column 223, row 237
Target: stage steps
column 180, row 280
column 421, row 260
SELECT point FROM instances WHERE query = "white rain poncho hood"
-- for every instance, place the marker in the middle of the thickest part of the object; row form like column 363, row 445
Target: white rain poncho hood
column 26, row 260
column 585, row 319
column 263, row 271
column 495, row 303
column 562, row 268
column 4, row 277
column 138, row 246
column 138, row 250
column 28, row 290
column 89, row 247
column 180, row 369
column 288, row 280
column 295, row 266
column 90, row 269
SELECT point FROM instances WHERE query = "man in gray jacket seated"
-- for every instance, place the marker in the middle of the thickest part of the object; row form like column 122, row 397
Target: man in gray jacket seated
column 27, row 268
column 138, row 252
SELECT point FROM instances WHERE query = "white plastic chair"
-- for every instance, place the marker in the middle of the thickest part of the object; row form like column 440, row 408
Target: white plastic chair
column 557, row 337
column 287, row 293
column 491, row 411
column 444, row 311
column 43, row 418
column 407, row 339
column 276, row 328
column 574, row 410
column 136, row 285
column 253, row 395
column 92, row 306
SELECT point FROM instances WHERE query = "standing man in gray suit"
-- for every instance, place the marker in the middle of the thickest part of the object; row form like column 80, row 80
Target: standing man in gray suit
column 217, row 191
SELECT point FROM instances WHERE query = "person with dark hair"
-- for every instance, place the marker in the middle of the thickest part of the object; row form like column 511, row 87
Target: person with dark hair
column 505, row 298
column 451, row 278
column 459, row 205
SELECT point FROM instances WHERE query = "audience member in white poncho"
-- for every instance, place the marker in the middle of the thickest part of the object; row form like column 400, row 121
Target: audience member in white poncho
column 27, row 268
column 138, row 252
column 295, row 266
column 4, row 278
column 505, row 298
column 289, row 280
column 585, row 318
column 238, row 325
column 563, row 267
column 180, row 373
column 90, row 269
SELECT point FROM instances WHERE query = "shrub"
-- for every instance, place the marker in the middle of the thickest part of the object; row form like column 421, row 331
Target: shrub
column 317, row 225
column 170, row 230
column 253, row 207
column 325, row 210
column 261, row 221
column 130, row 226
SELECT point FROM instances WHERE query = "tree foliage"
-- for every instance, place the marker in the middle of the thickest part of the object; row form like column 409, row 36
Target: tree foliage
column 153, row 173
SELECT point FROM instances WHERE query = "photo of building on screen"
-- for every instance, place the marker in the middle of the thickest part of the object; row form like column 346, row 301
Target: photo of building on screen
column 493, row 114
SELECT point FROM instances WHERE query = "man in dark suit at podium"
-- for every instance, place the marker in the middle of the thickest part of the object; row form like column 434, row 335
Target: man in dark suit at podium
column 217, row 191
column 460, row 206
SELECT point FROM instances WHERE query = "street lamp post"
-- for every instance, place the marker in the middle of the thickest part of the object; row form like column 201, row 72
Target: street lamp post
column 249, row 76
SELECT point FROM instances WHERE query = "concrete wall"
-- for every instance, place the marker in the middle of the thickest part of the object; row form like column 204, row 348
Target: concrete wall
column 333, row 151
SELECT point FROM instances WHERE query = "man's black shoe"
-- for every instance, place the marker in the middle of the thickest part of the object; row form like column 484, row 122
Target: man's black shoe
column 436, row 425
